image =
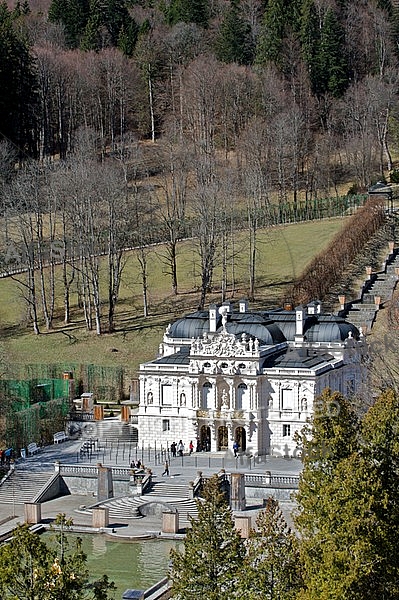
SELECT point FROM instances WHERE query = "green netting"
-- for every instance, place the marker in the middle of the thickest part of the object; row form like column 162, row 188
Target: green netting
column 107, row 383
column 34, row 390
column 35, row 424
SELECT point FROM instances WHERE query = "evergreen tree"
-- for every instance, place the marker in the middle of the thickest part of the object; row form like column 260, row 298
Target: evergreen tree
column 213, row 551
column 348, row 509
column 332, row 62
column 323, row 47
column 18, row 98
column 112, row 17
column 271, row 38
column 33, row 570
column 127, row 37
column 272, row 568
column 234, row 42
column 73, row 14
column 188, row 11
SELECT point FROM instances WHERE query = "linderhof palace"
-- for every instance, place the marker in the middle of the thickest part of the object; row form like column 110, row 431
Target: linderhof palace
column 230, row 374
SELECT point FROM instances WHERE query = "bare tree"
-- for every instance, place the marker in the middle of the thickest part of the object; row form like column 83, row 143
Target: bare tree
column 172, row 200
column 254, row 150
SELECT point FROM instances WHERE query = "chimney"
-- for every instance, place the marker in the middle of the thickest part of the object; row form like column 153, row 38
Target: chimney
column 213, row 317
column 243, row 306
column 299, row 321
column 229, row 307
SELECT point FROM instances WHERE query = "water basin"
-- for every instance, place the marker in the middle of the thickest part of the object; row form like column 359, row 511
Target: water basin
column 134, row 564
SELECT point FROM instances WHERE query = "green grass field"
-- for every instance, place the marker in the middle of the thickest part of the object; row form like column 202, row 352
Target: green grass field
column 283, row 254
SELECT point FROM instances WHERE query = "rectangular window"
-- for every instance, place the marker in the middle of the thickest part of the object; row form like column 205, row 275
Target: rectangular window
column 165, row 425
column 286, row 430
column 287, row 400
column 350, row 387
column 167, row 395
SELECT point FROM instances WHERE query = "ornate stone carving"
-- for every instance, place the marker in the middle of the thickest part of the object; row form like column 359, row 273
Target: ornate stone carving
column 224, row 344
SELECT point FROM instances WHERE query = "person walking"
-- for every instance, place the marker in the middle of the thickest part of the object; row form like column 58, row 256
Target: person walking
column 180, row 448
column 235, row 448
column 166, row 468
column 191, row 447
column 173, row 449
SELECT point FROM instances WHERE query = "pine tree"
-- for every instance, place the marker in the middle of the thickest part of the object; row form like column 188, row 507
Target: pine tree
column 348, row 507
column 234, row 42
column 323, row 47
column 272, row 568
column 73, row 14
column 18, row 98
column 332, row 62
column 188, row 11
column 213, row 551
column 271, row 38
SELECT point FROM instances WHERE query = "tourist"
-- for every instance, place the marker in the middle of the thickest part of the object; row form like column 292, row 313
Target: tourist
column 180, row 448
column 173, row 449
column 166, row 468
column 235, row 448
column 191, row 447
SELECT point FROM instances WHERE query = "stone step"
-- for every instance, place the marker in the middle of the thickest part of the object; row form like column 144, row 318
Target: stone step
column 112, row 431
column 22, row 486
column 163, row 489
column 128, row 507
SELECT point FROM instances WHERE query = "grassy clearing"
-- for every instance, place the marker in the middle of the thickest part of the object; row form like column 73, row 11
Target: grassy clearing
column 283, row 254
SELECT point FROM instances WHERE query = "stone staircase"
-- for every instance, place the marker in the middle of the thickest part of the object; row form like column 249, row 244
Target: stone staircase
column 363, row 313
column 175, row 495
column 22, row 486
column 168, row 488
column 110, row 431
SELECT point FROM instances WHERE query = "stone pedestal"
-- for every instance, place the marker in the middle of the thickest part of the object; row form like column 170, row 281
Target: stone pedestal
column 237, row 491
column 243, row 525
column 125, row 413
column 98, row 412
column 100, row 517
column 87, row 402
column 33, row 513
column 170, row 522
column 105, row 487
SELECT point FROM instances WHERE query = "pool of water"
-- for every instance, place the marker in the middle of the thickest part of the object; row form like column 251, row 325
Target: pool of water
column 133, row 564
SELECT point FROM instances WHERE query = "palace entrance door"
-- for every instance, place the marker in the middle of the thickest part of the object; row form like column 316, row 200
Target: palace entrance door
column 205, row 438
column 240, row 437
column 223, row 438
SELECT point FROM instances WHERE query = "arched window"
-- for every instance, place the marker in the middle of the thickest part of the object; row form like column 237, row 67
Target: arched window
column 240, row 395
column 206, row 391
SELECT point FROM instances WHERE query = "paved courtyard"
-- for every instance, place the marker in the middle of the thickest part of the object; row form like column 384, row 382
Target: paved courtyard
column 182, row 470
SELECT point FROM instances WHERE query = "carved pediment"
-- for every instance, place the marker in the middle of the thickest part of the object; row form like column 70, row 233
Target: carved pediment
column 224, row 344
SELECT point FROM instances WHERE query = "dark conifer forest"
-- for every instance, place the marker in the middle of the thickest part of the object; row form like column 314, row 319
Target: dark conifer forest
column 306, row 88
column 127, row 123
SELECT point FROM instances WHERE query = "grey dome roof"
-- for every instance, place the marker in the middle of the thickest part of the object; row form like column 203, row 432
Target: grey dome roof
column 268, row 327
column 317, row 328
column 328, row 328
column 257, row 326
column 190, row 326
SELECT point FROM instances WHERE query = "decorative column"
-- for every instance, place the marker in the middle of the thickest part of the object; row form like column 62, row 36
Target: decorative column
column 237, row 491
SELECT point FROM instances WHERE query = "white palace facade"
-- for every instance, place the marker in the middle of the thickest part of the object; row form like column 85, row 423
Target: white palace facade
column 230, row 374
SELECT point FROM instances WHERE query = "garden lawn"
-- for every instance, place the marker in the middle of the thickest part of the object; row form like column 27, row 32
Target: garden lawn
column 283, row 253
